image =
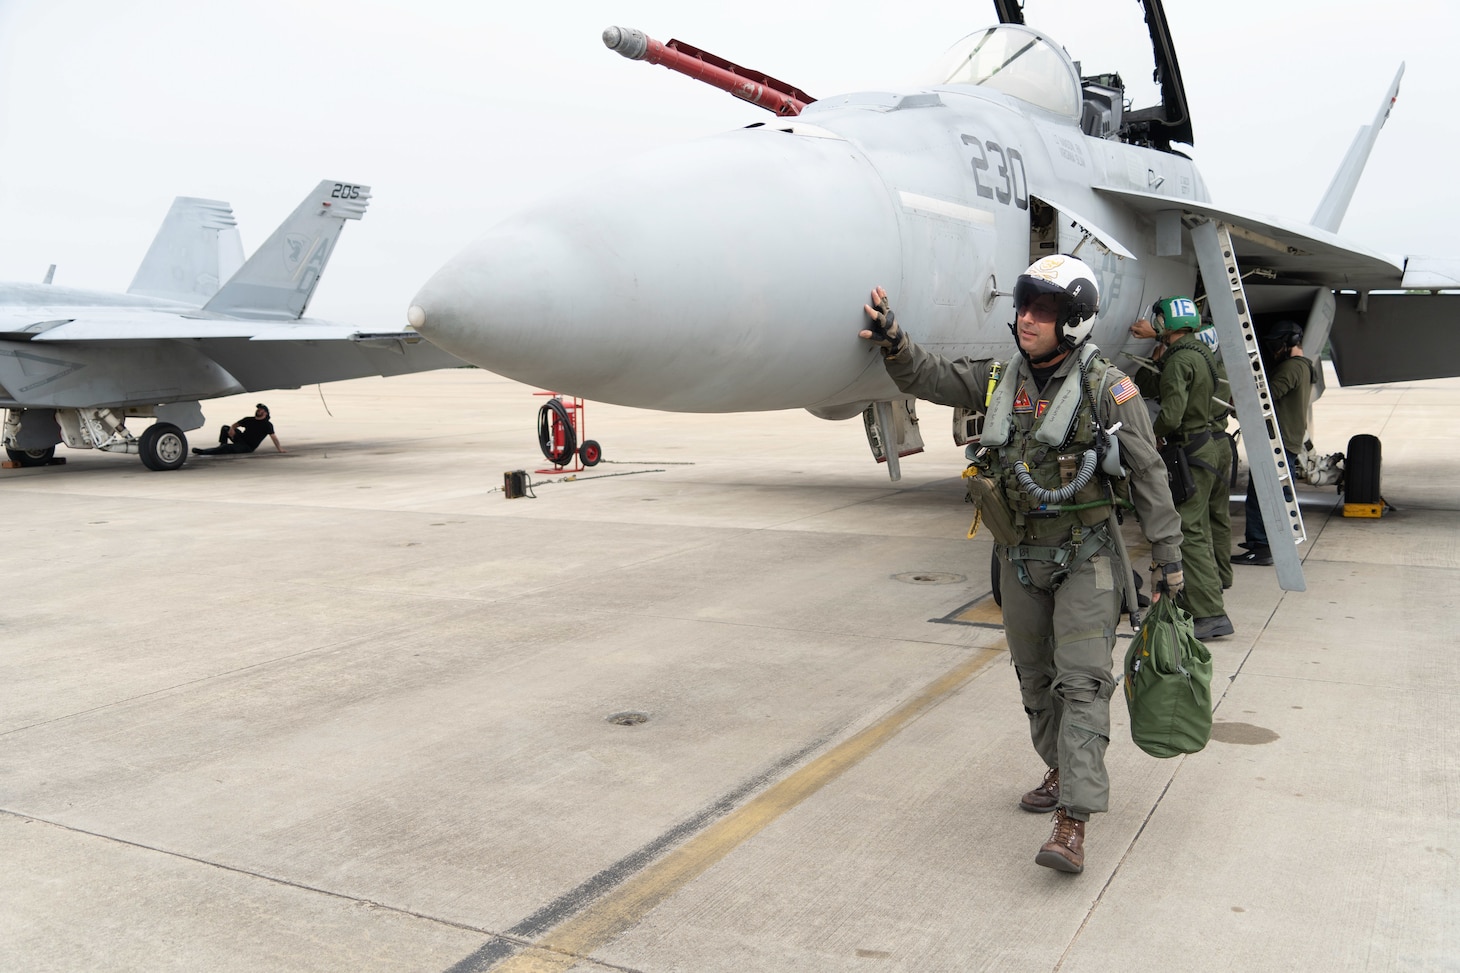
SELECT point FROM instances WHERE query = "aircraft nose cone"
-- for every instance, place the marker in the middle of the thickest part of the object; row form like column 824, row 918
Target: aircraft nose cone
column 722, row 275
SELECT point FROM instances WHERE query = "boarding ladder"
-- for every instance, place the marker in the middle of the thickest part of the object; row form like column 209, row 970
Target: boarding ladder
column 1261, row 438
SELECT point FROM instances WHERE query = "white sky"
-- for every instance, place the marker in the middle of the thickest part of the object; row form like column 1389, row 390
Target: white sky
column 457, row 113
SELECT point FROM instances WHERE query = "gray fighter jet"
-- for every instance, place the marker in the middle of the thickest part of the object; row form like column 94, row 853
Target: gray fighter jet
column 196, row 323
column 728, row 274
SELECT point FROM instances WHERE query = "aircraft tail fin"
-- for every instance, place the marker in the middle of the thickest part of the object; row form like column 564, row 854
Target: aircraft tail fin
column 196, row 249
column 279, row 279
column 1335, row 202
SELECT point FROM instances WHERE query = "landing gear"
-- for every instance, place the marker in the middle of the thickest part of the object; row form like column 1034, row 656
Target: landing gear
column 163, row 446
column 31, row 457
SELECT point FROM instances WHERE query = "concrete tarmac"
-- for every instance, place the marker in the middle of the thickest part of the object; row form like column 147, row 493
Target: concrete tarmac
column 728, row 701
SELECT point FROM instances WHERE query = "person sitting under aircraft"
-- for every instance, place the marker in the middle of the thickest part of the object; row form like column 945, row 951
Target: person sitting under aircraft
column 245, row 435
column 1058, row 405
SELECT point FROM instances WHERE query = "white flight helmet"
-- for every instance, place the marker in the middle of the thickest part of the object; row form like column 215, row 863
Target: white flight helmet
column 1072, row 282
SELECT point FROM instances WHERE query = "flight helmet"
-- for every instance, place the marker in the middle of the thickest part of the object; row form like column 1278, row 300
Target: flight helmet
column 1280, row 337
column 1072, row 282
column 1174, row 314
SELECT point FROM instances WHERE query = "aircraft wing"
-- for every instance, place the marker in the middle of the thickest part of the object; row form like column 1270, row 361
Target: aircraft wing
column 1374, row 335
column 98, row 325
column 1294, row 253
column 1431, row 274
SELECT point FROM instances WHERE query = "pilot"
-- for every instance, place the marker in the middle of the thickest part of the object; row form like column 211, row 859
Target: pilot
column 1062, row 424
column 1190, row 387
column 1290, row 383
column 245, row 435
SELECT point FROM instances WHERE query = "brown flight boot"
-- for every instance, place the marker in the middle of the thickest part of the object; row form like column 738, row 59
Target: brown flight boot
column 1065, row 849
column 1045, row 797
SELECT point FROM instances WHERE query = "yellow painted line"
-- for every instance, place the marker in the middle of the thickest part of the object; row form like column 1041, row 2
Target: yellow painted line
column 984, row 611
column 601, row 922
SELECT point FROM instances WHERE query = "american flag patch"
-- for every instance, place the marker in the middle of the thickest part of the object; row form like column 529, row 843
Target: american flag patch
column 1123, row 391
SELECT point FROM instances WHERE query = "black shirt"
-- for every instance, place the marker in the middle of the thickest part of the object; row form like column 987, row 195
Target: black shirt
column 251, row 432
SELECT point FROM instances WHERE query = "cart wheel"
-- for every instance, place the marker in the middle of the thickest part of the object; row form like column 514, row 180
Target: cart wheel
column 590, row 452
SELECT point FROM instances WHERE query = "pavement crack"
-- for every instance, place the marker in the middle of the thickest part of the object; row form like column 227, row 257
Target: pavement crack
column 249, row 873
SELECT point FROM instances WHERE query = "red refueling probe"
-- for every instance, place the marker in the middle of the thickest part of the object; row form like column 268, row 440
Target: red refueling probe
column 755, row 87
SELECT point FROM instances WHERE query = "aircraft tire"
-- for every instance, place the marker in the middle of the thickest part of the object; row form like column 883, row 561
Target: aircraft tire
column 1361, row 470
column 994, row 579
column 590, row 452
column 163, row 447
column 31, row 457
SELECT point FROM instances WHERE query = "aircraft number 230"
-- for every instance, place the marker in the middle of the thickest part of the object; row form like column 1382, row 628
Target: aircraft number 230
column 345, row 191
column 1015, row 185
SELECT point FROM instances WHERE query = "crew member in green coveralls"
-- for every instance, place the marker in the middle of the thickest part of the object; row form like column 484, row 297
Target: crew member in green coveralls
column 1290, row 382
column 1189, row 388
column 1066, row 438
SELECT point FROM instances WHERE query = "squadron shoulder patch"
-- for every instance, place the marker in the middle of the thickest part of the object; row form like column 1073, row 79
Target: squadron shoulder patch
column 1123, row 391
column 1040, row 406
column 1021, row 401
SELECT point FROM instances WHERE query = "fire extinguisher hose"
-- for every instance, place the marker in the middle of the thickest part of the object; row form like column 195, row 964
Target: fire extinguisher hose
column 553, row 411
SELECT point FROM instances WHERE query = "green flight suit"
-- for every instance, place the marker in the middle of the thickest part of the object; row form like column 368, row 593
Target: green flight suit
column 1060, row 619
column 1222, row 512
column 1290, row 382
column 1190, row 417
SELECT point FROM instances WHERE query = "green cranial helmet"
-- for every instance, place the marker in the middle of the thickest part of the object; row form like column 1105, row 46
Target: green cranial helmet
column 1175, row 314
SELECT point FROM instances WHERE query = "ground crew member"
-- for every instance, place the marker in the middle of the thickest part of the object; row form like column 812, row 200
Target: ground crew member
column 1062, row 424
column 1191, row 419
column 1221, row 513
column 1221, row 516
column 1290, row 383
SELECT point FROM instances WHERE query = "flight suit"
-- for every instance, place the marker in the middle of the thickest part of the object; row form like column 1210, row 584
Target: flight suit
column 1062, row 585
column 1191, row 418
column 1222, row 512
column 1290, row 383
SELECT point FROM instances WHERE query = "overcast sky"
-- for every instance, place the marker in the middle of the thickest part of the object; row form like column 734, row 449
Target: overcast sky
column 458, row 113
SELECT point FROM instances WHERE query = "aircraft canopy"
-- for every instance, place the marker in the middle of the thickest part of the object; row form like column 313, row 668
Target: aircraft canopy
column 1017, row 61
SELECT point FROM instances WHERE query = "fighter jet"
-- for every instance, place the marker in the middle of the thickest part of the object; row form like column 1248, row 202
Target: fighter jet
column 728, row 274
column 196, row 323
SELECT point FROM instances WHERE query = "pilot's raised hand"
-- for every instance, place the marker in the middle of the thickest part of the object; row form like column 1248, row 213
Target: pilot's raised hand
column 883, row 331
column 1142, row 329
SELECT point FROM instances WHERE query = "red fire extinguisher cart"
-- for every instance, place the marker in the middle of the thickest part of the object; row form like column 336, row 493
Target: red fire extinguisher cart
column 560, row 432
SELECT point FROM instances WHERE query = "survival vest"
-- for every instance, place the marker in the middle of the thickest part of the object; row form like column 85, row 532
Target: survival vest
column 1049, row 435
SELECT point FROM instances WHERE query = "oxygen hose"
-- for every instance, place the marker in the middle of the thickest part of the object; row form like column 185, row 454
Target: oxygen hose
column 1082, row 476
